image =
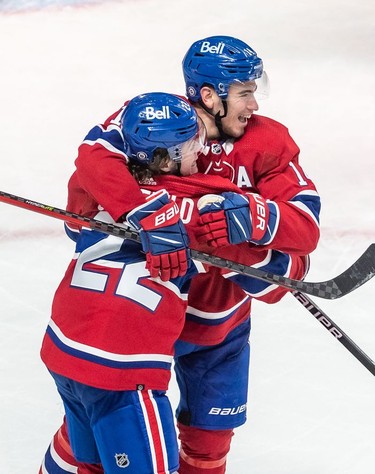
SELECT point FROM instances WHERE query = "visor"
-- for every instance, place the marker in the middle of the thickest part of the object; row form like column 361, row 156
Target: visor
column 261, row 86
column 196, row 144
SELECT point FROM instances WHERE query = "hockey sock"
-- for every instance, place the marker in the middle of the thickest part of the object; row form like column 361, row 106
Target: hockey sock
column 59, row 457
column 203, row 451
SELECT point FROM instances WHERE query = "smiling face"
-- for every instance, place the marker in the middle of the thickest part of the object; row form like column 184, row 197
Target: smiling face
column 189, row 164
column 186, row 167
column 241, row 104
column 182, row 157
column 186, row 153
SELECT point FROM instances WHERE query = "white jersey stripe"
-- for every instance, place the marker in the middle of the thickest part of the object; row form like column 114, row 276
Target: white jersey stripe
column 105, row 144
column 153, row 434
column 161, row 432
column 217, row 315
column 104, row 354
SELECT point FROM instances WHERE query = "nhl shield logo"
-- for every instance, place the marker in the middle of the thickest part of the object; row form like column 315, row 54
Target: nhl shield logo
column 122, row 460
column 216, row 148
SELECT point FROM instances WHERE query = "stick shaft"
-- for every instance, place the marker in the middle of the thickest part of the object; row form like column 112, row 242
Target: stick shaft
column 356, row 275
column 336, row 332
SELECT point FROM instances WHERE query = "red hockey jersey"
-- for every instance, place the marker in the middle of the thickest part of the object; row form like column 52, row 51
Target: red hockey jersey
column 220, row 300
column 265, row 160
column 100, row 333
column 112, row 326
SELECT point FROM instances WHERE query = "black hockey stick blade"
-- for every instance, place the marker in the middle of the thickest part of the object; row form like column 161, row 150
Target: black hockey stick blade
column 356, row 275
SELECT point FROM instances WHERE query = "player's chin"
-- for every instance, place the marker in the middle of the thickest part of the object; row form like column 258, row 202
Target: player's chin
column 236, row 132
column 236, row 129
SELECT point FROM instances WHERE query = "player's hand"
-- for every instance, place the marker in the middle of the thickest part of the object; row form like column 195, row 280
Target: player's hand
column 232, row 218
column 163, row 236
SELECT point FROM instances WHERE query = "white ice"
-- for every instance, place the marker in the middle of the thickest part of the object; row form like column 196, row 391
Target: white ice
column 63, row 69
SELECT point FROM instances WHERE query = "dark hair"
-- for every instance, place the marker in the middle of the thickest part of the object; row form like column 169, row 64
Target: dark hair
column 143, row 173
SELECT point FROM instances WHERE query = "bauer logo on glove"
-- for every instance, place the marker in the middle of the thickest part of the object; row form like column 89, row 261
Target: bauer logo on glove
column 163, row 236
column 233, row 218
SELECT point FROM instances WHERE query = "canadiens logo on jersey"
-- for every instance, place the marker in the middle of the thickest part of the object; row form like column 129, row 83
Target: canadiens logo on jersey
column 222, row 168
column 122, row 460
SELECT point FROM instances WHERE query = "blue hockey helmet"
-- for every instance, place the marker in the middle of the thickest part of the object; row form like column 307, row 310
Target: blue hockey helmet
column 219, row 61
column 159, row 120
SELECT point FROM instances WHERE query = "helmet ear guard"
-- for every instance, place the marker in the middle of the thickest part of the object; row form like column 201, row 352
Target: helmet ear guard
column 219, row 61
column 157, row 120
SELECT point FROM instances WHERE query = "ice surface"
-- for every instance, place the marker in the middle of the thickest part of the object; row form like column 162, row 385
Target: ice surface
column 63, row 69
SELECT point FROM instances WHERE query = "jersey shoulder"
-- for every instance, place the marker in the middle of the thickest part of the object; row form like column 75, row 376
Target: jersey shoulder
column 263, row 131
column 267, row 141
column 266, row 125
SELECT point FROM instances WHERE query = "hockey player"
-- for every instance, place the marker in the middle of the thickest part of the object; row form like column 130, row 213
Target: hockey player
column 215, row 338
column 278, row 216
column 110, row 341
column 222, row 76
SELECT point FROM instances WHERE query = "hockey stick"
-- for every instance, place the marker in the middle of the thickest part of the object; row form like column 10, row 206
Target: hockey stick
column 338, row 333
column 356, row 275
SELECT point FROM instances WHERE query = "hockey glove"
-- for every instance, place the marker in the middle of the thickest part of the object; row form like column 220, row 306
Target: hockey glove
column 233, row 218
column 163, row 236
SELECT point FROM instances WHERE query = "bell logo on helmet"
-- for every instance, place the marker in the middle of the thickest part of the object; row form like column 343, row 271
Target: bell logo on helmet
column 150, row 113
column 214, row 49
